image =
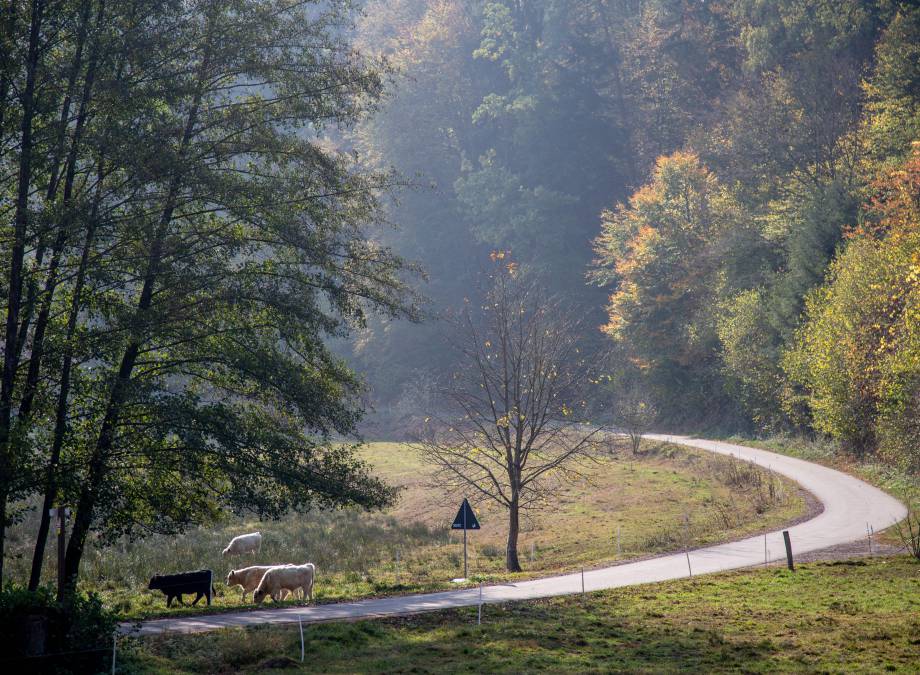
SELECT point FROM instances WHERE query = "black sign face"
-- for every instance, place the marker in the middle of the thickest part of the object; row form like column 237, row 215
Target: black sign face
column 466, row 519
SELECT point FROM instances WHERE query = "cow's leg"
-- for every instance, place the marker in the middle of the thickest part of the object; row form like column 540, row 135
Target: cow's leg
column 179, row 598
column 197, row 598
column 169, row 600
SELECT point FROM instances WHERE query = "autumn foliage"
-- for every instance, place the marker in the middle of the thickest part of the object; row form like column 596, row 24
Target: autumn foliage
column 858, row 353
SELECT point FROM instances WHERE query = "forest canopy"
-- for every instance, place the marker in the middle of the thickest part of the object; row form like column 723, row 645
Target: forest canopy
column 182, row 239
column 724, row 175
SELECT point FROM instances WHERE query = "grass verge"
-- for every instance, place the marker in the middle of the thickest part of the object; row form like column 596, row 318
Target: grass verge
column 855, row 616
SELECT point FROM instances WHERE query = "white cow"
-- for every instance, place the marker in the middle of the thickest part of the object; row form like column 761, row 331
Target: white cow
column 287, row 578
column 245, row 543
column 248, row 577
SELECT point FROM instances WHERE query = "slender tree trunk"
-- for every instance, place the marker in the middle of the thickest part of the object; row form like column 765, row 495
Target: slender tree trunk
column 97, row 470
column 60, row 422
column 98, row 465
column 14, row 289
column 6, row 65
column 57, row 249
column 60, row 427
column 511, row 553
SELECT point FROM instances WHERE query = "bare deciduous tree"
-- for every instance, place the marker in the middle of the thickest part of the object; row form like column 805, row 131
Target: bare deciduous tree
column 635, row 414
column 516, row 427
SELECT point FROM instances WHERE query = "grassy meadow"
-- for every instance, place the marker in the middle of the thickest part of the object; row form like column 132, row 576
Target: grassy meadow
column 666, row 498
column 842, row 617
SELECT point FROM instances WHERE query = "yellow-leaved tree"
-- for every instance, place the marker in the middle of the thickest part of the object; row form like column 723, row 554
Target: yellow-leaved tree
column 857, row 355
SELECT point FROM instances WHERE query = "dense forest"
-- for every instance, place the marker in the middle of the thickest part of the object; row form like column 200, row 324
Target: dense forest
column 728, row 190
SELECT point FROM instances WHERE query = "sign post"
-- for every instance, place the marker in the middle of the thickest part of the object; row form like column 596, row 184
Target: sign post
column 465, row 520
column 61, row 514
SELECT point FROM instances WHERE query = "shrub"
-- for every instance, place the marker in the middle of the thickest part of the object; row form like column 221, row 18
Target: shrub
column 41, row 635
column 491, row 551
column 909, row 530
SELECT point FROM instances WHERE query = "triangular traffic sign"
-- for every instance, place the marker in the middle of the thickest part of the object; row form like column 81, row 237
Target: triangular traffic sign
column 466, row 519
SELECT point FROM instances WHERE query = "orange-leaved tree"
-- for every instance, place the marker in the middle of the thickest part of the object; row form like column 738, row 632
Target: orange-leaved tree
column 666, row 257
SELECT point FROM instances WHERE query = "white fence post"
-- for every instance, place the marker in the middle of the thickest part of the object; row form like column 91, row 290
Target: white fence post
column 300, row 621
column 479, row 614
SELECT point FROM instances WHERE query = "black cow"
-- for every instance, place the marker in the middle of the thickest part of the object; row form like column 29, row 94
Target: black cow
column 175, row 585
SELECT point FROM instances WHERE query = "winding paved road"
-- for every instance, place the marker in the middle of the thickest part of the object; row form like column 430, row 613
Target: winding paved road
column 850, row 505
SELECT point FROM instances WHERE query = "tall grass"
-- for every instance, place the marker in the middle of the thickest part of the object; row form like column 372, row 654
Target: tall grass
column 346, row 541
column 754, row 491
column 355, row 552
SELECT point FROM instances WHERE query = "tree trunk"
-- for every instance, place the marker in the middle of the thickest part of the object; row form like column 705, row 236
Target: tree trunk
column 98, row 465
column 14, row 286
column 7, row 40
column 60, row 423
column 55, row 167
column 97, row 470
column 514, row 527
column 57, row 250
column 35, row 360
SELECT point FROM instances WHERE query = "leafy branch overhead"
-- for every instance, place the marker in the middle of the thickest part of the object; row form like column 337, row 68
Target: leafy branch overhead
column 189, row 241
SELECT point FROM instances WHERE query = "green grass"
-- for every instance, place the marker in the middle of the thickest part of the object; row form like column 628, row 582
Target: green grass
column 858, row 616
column 667, row 498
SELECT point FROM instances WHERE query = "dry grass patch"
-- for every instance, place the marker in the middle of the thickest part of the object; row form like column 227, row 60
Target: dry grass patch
column 667, row 498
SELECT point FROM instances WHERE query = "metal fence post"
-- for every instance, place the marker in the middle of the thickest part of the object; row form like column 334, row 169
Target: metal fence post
column 479, row 614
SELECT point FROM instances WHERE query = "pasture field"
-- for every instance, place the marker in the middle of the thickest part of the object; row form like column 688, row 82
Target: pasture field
column 665, row 499
column 852, row 616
